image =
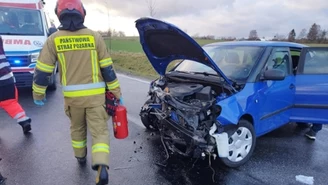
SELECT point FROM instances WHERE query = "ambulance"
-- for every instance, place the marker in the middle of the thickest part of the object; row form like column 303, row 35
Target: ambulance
column 24, row 28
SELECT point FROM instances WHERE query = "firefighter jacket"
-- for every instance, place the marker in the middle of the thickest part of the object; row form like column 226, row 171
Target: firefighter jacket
column 6, row 75
column 85, row 68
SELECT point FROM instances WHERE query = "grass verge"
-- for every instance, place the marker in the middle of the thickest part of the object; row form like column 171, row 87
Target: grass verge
column 133, row 63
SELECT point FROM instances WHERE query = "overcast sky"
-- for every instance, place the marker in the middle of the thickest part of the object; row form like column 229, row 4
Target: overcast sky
column 208, row 17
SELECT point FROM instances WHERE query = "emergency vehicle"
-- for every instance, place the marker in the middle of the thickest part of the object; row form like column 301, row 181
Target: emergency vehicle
column 24, row 27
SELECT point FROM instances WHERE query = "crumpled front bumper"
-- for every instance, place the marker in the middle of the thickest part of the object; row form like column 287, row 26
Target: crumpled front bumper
column 197, row 145
column 177, row 134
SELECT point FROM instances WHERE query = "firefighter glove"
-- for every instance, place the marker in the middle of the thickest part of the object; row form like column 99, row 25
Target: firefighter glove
column 121, row 100
column 40, row 102
column 111, row 103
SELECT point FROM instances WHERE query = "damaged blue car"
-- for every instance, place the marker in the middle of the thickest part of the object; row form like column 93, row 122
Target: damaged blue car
column 219, row 98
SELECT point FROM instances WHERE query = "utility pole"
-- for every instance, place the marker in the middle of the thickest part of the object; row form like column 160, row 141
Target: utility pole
column 110, row 34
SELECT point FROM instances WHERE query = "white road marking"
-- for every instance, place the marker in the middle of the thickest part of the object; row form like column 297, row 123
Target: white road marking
column 135, row 120
column 131, row 118
column 136, row 79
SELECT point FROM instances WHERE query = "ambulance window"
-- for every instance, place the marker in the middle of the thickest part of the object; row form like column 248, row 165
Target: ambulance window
column 18, row 21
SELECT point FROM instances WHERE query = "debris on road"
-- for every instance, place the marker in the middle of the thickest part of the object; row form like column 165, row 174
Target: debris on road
column 122, row 168
column 305, row 179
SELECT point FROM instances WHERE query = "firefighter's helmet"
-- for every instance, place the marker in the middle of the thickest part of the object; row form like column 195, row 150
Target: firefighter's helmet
column 70, row 7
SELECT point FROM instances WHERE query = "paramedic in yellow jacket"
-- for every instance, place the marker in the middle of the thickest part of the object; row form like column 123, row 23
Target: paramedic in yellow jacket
column 85, row 69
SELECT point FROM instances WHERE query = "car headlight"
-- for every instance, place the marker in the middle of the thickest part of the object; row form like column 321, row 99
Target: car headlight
column 34, row 57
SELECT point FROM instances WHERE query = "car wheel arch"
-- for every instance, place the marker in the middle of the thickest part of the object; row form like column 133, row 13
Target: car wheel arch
column 247, row 117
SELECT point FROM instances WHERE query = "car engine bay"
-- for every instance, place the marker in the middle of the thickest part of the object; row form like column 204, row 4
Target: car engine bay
column 184, row 113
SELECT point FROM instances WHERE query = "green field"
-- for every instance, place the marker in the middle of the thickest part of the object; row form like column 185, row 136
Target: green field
column 128, row 56
column 132, row 44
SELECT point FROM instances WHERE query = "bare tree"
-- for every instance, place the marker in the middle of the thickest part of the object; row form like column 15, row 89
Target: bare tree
column 313, row 32
column 115, row 33
column 253, row 35
column 322, row 36
column 302, row 34
column 151, row 7
column 279, row 37
column 291, row 36
column 121, row 34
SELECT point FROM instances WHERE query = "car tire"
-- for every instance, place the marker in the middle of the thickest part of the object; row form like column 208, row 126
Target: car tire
column 236, row 138
column 147, row 119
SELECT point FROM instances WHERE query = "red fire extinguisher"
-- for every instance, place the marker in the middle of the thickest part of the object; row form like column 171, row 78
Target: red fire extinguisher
column 120, row 123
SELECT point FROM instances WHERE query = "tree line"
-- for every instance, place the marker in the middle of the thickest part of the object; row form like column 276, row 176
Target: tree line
column 112, row 33
column 314, row 35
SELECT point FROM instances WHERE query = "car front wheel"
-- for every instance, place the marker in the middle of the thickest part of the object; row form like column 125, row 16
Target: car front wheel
column 241, row 145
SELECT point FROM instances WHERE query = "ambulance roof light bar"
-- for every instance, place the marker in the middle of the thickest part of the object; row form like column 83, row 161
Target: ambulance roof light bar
column 32, row 4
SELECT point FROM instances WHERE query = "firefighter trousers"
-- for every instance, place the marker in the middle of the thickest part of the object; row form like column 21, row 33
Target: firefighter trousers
column 9, row 102
column 95, row 119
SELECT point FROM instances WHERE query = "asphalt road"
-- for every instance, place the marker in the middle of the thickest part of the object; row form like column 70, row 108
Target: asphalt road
column 45, row 156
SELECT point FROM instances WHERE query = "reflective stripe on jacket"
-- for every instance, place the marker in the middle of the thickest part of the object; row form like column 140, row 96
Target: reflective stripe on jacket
column 85, row 67
column 6, row 75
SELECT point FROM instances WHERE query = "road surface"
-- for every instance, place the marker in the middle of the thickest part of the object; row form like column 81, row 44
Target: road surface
column 45, row 156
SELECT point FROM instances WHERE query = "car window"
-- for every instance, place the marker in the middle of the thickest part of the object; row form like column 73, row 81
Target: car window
column 279, row 59
column 236, row 62
column 316, row 62
column 295, row 54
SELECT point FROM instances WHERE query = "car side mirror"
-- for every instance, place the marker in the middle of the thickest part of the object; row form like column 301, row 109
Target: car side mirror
column 273, row 74
column 52, row 30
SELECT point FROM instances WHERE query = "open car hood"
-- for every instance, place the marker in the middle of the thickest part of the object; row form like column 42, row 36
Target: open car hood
column 163, row 43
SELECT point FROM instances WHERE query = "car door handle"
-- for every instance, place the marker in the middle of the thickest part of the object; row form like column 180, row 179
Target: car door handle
column 292, row 86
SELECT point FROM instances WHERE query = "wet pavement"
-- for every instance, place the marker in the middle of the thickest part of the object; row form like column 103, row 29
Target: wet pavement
column 45, row 156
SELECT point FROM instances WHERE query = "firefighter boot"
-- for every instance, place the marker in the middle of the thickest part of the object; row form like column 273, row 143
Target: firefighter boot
column 102, row 176
column 82, row 160
column 26, row 125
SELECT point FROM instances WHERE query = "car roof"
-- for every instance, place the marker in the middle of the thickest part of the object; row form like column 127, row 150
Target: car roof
column 258, row 43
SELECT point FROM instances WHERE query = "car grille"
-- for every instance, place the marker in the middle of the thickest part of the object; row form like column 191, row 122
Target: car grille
column 23, row 61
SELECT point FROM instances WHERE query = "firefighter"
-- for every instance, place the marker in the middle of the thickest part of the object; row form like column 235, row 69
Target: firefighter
column 86, row 70
column 9, row 93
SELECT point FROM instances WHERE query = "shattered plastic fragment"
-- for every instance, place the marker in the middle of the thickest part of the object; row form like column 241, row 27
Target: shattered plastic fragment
column 305, row 179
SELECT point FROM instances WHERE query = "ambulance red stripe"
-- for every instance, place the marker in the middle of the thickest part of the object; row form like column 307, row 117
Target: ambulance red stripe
column 22, row 70
column 20, row 5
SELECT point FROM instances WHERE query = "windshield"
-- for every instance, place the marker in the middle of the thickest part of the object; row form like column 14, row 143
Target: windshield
column 236, row 62
column 17, row 21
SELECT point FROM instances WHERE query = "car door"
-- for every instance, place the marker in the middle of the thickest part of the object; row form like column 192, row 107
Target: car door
column 276, row 96
column 311, row 96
